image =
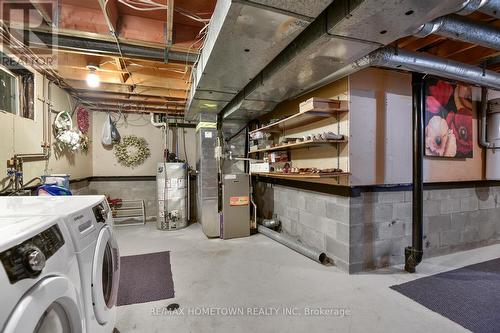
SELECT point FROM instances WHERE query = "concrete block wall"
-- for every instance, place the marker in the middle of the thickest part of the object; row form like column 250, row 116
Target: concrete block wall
column 380, row 228
column 320, row 221
column 80, row 187
column 129, row 190
column 372, row 230
column 454, row 220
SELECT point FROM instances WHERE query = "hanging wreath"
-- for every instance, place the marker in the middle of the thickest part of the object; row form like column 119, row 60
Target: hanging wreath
column 82, row 118
column 132, row 151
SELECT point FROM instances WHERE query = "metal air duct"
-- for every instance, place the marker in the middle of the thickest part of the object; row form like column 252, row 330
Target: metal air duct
column 345, row 32
column 243, row 37
column 464, row 29
column 420, row 62
column 489, row 7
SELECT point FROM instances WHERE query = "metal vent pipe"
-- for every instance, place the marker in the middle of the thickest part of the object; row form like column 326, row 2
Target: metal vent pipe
column 464, row 29
column 392, row 57
column 489, row 7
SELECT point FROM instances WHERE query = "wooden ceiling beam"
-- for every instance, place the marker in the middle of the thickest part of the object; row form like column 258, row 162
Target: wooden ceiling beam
column 112, row 109
column 127, row 96
column 450, row 48
column 122, row 99
column 109, row 64
column 129, row 89
column 136, row 80
column 475, row 55
column 134, row 105
column 120, row 65
column 405, row 41
column 421, row 43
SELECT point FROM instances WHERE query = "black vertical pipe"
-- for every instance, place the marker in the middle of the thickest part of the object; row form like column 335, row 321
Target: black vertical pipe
column 413, row 254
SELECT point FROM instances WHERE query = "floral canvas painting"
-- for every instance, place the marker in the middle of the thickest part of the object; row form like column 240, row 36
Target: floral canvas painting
column 448, row 119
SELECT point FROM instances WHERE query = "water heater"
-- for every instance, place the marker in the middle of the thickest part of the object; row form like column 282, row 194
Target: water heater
column 171, row 187
column 493, row 134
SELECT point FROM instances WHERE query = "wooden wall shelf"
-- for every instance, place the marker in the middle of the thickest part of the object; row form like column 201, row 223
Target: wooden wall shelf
column 304, row 175
column 299, row 145
column 301, row 119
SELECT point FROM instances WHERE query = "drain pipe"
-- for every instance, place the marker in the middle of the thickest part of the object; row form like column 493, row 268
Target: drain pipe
column 156, row 124
column 464, row 29
column 315, row 255
column 164, row 126
column 483, row 141
column 414, row 253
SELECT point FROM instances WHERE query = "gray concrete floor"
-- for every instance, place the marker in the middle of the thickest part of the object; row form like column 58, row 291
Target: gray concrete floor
column 256, row 274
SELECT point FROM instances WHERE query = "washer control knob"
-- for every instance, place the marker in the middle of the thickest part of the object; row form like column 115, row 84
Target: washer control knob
column 35, row 260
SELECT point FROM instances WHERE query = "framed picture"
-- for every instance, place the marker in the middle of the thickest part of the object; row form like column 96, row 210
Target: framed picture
column 448, row 119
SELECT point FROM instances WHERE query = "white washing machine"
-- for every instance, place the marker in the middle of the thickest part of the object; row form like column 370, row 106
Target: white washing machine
column 39, row 277
column 89, row 222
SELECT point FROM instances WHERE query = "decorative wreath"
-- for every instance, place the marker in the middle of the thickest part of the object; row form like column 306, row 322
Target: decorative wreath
column 132, row 151
column 82, row 118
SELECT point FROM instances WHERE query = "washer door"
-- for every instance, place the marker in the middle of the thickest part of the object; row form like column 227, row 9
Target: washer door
column 105, row 275
column 51, row 306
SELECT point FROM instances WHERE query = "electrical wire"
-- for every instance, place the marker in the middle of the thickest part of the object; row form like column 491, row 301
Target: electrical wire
column 50, row 73
column 149, row 5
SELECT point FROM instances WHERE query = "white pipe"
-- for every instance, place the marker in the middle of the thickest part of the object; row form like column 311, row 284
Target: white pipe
column 155, row 124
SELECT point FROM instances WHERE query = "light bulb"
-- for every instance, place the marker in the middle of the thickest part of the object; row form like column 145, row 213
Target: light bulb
column 93, row 79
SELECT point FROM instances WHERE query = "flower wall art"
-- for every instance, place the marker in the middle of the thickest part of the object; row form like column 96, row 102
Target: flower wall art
column 448, row 119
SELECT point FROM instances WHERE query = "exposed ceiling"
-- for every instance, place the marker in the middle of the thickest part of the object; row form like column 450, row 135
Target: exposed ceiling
column 457, row 50
column 146, row 64
column 149, row 70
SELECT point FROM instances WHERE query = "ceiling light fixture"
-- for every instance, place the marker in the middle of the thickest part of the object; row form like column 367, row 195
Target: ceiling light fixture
column 93, row 79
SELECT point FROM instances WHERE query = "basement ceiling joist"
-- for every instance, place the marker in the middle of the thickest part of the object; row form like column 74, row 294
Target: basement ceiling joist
column 127, row 96
column 98, row 46
column 135, row 106
column 148, row 61
column 129, row 89
column 125, row 110
column 124, row 100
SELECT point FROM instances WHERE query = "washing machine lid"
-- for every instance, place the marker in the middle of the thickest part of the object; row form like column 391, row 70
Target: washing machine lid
column 105, row 275
column 47, row 205
column 50, row 306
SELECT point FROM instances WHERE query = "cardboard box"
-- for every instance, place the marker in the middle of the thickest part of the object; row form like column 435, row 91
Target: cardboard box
column 319, row 104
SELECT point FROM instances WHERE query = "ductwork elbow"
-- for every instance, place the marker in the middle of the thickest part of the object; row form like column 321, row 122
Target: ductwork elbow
column 429, row 28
